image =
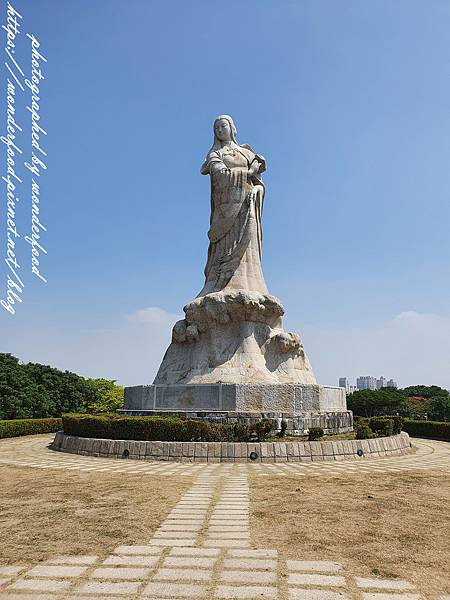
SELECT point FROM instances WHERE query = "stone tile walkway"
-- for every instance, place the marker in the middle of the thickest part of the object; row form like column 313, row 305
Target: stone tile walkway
column 33, row 452
column 202, row 549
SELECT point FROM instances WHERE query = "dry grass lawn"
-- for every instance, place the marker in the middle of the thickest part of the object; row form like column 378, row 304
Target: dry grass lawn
column 49, row 512
column 391, row 524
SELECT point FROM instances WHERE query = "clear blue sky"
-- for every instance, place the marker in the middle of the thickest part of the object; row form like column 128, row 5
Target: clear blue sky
column 349, row 103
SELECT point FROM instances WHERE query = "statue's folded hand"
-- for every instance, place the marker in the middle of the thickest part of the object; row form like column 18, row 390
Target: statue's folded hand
column 254, row 168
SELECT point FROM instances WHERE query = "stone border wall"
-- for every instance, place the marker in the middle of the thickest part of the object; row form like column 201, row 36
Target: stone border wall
column 217, row 452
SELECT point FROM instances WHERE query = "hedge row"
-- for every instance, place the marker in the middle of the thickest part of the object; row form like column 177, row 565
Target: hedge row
column 370, row 427
column 18, row 427
column 162, row 429
column 385, row 426
column 427, row 429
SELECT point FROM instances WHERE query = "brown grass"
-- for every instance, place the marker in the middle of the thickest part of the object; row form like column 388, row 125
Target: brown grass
column 47, row 512
column 390, row 524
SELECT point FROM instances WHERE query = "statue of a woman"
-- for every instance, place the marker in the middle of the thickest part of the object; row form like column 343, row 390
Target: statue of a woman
column 233, row 331
column 237, row 195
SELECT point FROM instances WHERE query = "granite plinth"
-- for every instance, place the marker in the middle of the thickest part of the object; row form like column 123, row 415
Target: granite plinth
column 302, row 406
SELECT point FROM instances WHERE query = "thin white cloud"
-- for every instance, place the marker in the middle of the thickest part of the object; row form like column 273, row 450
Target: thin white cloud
column 130, row 352
column 412, row 348
column 152, row 315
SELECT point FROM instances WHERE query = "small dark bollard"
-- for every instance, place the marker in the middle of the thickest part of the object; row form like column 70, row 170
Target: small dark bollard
column 253, row 455
column 359, row 452
column 126, row 454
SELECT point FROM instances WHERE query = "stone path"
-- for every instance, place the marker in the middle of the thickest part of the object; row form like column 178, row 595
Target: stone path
column 33, row 452
column 202, row 549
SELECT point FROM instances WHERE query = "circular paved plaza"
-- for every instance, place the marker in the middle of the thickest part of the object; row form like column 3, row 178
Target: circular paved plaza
column 203, row 548
column 33, row 451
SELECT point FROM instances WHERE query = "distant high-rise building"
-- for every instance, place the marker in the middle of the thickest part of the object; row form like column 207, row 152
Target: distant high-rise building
column 381, row 383
column 344, row 383
column 366, row 382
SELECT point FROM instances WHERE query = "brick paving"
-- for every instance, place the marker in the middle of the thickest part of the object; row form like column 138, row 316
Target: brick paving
column 33, row 452
column 202, row 548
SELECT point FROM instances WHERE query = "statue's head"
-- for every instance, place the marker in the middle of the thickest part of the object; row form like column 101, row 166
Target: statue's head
column 224, row 129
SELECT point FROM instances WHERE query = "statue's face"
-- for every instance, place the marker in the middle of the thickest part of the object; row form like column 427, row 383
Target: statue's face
column 222, row 130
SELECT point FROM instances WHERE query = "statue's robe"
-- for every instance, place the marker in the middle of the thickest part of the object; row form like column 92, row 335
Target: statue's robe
column 235, row 234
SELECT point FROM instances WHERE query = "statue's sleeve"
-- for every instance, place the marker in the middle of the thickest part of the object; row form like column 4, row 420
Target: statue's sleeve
column 262, row 162
column 213, row 163
column 259, row 158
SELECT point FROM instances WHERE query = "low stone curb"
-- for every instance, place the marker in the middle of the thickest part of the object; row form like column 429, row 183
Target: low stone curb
column 234, row 452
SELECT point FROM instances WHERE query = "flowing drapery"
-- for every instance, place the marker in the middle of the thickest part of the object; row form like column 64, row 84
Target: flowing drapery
column 235, row 235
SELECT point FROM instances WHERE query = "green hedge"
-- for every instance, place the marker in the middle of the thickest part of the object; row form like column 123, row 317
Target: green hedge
column 369, row 427
column 362, row 429
column 315, row 433
column 427, row 429
column 381, row 426
column 161, row 429
column 397, row 423
column 18, row 427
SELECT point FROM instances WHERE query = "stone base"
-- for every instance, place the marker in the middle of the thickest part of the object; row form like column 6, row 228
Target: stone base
column 302, row 406
column 228, row 452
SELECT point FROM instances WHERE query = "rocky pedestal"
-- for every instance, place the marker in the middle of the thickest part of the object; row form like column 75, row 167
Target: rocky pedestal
column 231, row 361
column 234, row 337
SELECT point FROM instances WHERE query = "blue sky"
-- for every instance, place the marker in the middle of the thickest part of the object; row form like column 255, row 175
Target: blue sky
column 349, row 103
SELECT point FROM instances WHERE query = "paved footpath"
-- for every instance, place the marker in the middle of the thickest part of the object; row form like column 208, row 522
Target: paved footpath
column 33, row 452
column 202, row 550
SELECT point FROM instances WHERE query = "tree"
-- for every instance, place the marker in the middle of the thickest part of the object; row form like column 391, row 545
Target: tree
column 425, row 391
column 33, row 390
column 106, row 397
column 373, row 403
column 418, row 407
column 440, row 408
column 21, row 397
column 413, row 402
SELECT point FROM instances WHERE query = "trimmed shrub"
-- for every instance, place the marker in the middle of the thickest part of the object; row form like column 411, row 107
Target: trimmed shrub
column 427, row 429
column 398, row 423
column 315, row 433
column 362, row 429
column 381, row 426
column 163, row 429
column 16, row 427
column 262, row 429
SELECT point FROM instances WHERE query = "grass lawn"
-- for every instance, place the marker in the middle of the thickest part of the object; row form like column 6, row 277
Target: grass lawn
column 386, row 524
column 48, row 512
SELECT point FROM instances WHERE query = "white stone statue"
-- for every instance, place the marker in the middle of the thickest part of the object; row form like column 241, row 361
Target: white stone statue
column 237, row 196
column 232, row 331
